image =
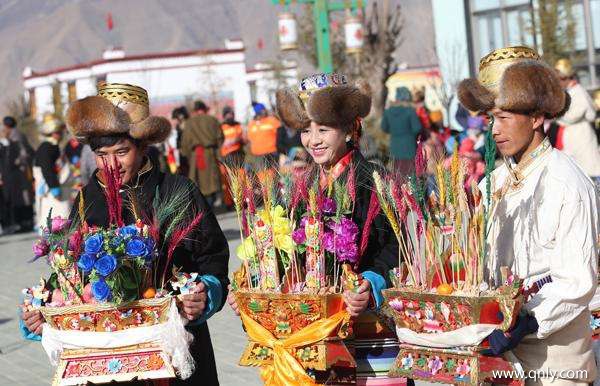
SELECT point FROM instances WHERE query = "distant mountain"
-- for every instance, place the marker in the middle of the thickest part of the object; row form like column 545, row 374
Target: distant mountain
column 46, row 34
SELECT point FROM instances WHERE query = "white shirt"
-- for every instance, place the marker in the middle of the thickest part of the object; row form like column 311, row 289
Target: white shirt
column 545, row 223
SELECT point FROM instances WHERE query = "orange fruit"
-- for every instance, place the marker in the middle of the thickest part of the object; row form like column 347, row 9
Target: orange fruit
column 444, row 289
column 149, row 293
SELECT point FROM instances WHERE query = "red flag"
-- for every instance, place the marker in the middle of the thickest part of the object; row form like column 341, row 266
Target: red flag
column 109, row 21
column 260, row 44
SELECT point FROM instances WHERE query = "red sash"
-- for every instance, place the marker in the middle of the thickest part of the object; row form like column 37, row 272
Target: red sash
column 200, row 160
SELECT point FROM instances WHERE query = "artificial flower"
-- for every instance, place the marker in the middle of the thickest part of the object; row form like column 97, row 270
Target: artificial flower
column 246, row 250
column 101, row 291
column 105, row 265
column 86, row 262
column 93, row 244
column 40, row 248
column 136, row 247
column 129, row 230
column 59, row 224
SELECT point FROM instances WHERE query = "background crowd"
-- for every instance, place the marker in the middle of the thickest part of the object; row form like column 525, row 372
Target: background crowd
column 34, row 180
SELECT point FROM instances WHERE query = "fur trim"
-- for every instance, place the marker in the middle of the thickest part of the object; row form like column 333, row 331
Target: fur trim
column 151, row 130
column 290, row 109
column 474, row 96
column 531, row 86
column 334, row 106
column 96, row 116
column 528, row 86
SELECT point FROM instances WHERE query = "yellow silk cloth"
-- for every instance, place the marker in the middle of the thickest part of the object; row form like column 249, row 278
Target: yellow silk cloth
column 286, row 370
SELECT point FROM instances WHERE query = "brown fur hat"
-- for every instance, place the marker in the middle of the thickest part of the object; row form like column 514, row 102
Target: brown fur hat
column 519, row 84
column 118, row 109
column 326, row 99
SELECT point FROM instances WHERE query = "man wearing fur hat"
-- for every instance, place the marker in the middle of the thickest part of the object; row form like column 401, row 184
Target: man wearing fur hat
column 48, row 171
column 118, row 127
column 544, row 216
column 579, row 139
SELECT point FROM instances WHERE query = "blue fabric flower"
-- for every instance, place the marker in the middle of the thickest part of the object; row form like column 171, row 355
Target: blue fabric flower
column 106, row 265
column 101, row 291
column 86, row 262
column 136, row 247
column 129, row 230
column 93, row 244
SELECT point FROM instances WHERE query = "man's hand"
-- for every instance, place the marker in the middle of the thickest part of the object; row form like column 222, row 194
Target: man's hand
column 232, row 302
column 501, row 341
column 193, row 305
column 357, row 302
column 33, row 321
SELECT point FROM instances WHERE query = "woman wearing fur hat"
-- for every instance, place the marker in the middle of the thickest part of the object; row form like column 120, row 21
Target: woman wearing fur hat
column 118, row 127
column 327, row 110
column 544, row 217
column 50, row 173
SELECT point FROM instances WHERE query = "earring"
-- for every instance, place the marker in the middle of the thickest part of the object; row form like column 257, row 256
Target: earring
column 348, row 138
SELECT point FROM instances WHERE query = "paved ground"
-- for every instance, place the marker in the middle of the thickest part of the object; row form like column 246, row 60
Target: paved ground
column 24, row 363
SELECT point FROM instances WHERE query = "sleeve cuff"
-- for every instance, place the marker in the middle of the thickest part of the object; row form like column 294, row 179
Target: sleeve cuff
column 377, row 284
column 214, row 293
column 28, row 334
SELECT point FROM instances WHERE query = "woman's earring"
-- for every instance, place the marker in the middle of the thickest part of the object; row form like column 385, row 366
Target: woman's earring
column 348, row 138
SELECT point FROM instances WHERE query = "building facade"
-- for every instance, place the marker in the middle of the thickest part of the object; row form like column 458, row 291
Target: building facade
column 476, row 27
column 218, row 76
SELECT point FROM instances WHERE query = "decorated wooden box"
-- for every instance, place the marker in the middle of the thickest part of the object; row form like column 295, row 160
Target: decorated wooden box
column 452, row 366
column 139, row 361
column 428, row 313
column 285, row 314
column 424, row 312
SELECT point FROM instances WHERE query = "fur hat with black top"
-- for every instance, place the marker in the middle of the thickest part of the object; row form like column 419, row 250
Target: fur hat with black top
column 327, row 99
column 118, row 109
column 514, row 79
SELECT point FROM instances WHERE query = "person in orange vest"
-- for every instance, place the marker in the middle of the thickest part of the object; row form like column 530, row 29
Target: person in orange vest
column 232, row 151
column 262, row 135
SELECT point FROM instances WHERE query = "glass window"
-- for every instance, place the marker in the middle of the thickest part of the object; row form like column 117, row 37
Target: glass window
column 489, row 31
column 580, row 38
column 595, row 11
column 519, row 27
column 578, row 18
column 484, row 36
column 509, row 3
column 482, row 5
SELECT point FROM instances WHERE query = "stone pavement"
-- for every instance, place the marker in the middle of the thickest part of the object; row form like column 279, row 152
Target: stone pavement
column 24, row 363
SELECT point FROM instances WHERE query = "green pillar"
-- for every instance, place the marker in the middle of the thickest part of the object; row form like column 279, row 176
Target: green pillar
column 321, row 17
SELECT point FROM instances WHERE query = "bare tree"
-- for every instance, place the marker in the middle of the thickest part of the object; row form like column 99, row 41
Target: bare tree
column 453, row 66
column 555, row 24
column 383, row 24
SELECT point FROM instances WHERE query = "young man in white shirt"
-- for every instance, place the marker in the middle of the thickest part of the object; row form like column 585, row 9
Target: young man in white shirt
column 544, row 217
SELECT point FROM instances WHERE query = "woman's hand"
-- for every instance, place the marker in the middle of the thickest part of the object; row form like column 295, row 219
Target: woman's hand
column 232, row 302
column 34, row 321
column 357, row 302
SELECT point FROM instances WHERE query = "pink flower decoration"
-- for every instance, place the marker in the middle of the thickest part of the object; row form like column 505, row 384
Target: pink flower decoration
column 58, row 224
column 40, row 248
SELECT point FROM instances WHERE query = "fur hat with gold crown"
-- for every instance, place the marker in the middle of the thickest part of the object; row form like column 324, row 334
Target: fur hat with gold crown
column 118, row 109
column 514, row 79
column 327, row 99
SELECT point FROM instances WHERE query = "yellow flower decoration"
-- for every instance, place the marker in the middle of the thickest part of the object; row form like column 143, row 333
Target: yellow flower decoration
column 284, row 242
column 246, row 250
